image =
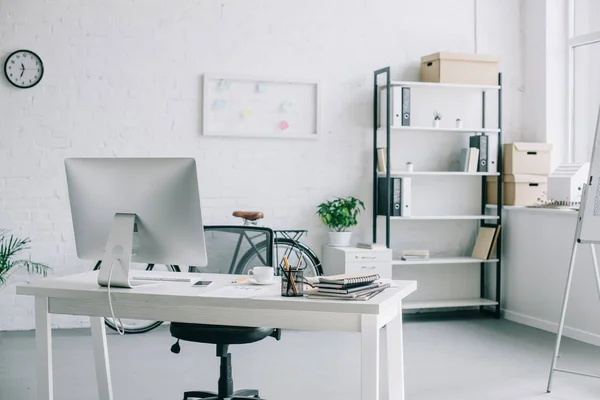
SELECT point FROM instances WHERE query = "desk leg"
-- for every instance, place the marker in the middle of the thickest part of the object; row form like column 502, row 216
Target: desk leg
column 101, row 357
column 43, row 342
column 369, row 358
column 394, row 358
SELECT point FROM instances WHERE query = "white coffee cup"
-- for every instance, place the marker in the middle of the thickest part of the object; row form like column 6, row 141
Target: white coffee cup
column 262, row 274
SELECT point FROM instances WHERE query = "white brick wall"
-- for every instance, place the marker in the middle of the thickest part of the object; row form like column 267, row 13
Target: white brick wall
column 122, row 78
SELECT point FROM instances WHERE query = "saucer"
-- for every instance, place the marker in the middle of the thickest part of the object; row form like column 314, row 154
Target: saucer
column 255, row 282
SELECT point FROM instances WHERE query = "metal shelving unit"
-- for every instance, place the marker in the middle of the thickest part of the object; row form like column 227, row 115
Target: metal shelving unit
column 482, row 302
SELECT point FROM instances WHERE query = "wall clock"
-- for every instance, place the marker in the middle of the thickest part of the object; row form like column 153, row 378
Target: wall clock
column 24, row 69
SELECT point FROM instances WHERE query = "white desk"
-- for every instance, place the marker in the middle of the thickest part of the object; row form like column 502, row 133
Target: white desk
column 180, row 302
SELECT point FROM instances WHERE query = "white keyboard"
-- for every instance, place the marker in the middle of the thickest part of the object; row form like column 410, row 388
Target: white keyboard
column 162, row 278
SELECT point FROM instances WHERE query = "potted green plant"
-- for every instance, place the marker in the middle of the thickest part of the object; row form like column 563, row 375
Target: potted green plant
column 339, row 215
column 10, row 247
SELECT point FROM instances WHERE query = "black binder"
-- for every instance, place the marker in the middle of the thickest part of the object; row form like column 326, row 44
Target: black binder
column 480, row 142
column 395, row 199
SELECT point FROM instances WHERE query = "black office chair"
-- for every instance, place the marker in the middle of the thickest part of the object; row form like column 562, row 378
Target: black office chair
column 226, row 246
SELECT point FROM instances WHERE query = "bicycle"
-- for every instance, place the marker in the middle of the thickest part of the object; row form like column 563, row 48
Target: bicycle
column 286, row 243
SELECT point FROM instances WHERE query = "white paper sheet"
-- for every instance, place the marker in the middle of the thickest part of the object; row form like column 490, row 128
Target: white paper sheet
column 235, row 292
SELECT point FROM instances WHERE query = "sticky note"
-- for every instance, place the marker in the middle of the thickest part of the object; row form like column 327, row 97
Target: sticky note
column 223, row 84
column 219, row 104
column 246, row 113
column 261, row 87
column 286, row 105
column 283, row 125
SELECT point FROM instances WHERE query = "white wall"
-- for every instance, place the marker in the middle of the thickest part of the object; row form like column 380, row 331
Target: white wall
column 123, row 79
column 544, row 29
column 537, row 250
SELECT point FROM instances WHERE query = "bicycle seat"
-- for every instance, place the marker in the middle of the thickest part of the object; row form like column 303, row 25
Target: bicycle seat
column 249, row 215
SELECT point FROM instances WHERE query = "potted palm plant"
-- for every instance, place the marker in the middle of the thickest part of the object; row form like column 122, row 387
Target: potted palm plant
column 10, row 247
column 339, row 215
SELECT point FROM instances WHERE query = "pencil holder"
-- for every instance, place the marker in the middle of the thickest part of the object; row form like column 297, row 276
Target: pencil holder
column 292, row 283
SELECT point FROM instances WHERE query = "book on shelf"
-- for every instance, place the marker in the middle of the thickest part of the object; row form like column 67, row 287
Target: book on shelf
column 412, row 255
column 485, row 244
column 370, row 246
column 349, row 279
column 469, row 159
column 381, row 159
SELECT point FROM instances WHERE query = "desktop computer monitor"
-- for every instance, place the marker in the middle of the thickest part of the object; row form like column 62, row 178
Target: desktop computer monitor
column 143, row 210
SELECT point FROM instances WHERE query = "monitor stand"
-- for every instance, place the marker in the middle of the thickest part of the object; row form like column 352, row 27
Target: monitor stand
column 118, row 251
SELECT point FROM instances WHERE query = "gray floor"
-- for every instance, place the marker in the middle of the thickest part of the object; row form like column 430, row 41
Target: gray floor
column 478, row 359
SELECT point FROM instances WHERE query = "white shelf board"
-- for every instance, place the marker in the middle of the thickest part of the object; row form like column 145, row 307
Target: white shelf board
column 436, row 85
column 450, row 303
column 444, row 260
column 440, row 217
column 438, row 173
column 433, row 129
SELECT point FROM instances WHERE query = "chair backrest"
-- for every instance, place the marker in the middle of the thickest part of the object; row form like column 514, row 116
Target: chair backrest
column 234, row 249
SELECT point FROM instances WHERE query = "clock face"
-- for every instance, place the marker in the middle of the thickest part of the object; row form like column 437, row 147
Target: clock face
column 24, row 69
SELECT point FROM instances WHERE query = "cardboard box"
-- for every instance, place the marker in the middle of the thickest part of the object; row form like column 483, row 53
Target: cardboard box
column 474, row 69
column 518, row 190
column 527, row 158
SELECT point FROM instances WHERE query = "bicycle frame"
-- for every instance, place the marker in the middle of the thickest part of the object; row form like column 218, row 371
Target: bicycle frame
column 243, row 235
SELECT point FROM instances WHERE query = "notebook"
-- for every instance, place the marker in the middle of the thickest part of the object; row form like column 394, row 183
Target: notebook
column 364, row 297
column 355, row 295
column 348, row 279
column 369, row 245
column 352, row 289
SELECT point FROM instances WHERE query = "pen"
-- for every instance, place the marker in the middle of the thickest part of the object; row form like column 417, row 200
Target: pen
column 240, row 280
column 290, row 278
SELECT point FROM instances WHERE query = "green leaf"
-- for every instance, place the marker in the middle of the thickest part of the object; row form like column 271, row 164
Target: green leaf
column 340, row 213
column 10, row 246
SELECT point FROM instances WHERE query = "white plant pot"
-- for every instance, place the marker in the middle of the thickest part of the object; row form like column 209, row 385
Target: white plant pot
column 340, row 239
column 436, row 123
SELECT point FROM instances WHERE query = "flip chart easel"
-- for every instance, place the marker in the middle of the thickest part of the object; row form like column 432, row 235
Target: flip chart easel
column 587, row 231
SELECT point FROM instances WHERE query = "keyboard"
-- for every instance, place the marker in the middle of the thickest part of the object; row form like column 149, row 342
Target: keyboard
column 161, row 278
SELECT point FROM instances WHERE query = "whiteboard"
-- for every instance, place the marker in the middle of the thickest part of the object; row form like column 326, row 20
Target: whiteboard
column 589, row 213
column 245, row 106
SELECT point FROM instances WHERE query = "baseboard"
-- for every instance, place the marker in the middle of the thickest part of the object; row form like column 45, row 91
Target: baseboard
column 573, row 333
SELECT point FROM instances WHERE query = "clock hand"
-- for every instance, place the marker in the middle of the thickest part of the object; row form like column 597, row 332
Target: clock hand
column 22, row 67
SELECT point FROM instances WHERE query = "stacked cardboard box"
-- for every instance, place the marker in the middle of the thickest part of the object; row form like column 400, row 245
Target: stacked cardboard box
column 526, row 168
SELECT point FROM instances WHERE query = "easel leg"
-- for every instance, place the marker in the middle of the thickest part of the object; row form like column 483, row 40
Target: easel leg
column 563, row 314
column 595, row 259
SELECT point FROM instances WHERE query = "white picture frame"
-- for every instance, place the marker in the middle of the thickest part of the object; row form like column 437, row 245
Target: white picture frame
column 254, row 106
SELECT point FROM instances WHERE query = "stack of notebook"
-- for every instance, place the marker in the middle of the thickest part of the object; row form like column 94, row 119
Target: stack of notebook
column 348, row 287
column 415, row 255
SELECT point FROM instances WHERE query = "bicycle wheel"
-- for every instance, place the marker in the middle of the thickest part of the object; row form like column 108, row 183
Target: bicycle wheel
column 284, row 247
column 138, row 325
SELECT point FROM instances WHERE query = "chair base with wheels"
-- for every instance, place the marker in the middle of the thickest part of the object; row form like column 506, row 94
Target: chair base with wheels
column 222, row 336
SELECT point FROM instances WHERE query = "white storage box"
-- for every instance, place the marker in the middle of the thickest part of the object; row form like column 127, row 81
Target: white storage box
column 518, row 190
column 527, row 158
column 565, row 183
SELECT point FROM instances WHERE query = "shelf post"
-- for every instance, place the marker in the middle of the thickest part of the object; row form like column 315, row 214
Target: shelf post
column 482, row 270
column 388, row 181
column 499, row 209
column 375, row 180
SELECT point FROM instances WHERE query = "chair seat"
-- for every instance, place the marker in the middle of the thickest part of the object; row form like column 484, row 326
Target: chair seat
column 218, row 334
